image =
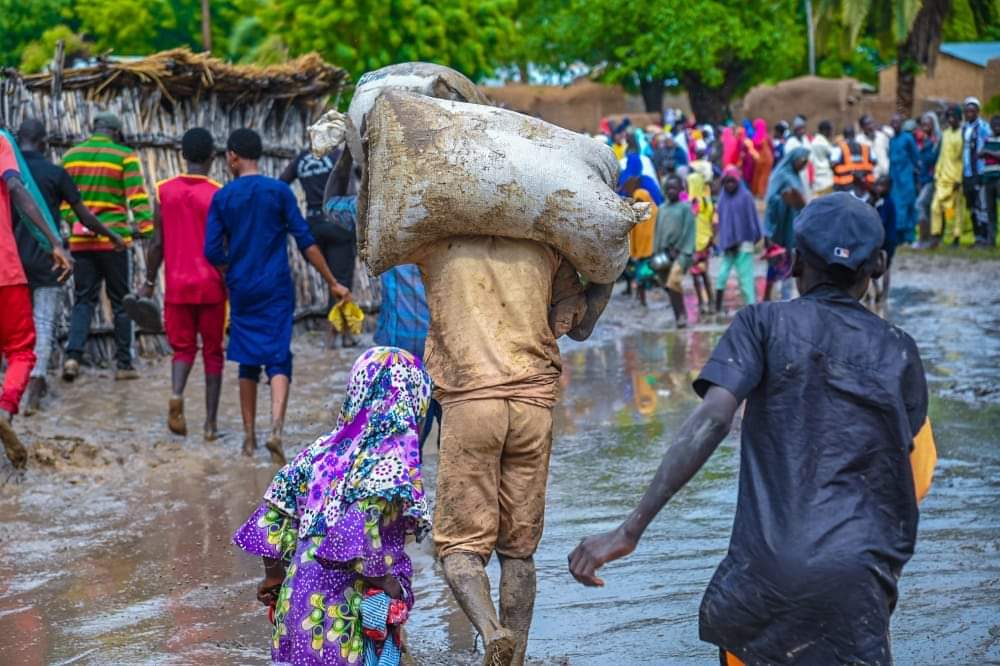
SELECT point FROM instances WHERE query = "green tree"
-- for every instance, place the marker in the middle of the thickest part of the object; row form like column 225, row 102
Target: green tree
column 715, row 49
column 908, row 30
column 38, row 54
column 361, row 35
column 22, row 22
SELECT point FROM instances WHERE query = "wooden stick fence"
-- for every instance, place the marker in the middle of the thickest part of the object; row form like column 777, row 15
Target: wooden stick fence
column 158, row 98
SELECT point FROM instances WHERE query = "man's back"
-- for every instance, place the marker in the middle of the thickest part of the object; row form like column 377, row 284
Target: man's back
column 827, row 513
column 489, row 336
column 184, row 204
column 249, row 221
column 111, row 183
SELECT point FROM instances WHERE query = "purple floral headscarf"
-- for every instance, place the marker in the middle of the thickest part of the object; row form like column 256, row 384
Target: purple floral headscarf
column 373, row 452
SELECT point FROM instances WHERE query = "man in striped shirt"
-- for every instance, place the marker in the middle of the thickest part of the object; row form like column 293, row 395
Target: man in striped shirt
column 108, row 176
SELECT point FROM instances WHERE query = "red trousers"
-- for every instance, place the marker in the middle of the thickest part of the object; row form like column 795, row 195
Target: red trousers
column 17, row 343
column 184, row 322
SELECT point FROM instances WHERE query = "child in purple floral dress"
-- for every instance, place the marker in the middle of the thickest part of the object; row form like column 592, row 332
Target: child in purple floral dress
column 333, row 524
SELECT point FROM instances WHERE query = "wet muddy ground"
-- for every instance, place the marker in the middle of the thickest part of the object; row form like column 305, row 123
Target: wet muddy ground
column 116, row 543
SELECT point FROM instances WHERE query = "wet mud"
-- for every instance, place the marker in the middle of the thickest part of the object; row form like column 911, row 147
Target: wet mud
column 116, row 541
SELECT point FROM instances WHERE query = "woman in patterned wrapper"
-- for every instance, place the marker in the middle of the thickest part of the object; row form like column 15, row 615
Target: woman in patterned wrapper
column 333, row 524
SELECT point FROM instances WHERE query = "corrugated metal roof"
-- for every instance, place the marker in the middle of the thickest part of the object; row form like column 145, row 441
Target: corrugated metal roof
column 978, row 53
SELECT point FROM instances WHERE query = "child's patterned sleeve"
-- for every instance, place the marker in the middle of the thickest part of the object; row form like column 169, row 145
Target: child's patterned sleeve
column 268, row 533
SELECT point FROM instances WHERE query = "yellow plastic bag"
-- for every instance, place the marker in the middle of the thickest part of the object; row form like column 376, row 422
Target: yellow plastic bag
column 923, row 460
column 347, row 315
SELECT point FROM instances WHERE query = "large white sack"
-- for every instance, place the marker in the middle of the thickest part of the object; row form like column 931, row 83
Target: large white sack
column 438, row 168
column 419, row 77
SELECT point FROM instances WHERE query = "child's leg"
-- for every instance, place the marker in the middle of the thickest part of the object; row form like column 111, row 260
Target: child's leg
column 249, row 376
column 281, row 380
column 744, row 271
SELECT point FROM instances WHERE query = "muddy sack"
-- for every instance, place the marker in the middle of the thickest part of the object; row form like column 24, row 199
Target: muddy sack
column 438, row 168
column 419, row 77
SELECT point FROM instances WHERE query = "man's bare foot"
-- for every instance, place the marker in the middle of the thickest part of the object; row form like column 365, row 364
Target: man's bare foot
column 249, row 445
column 16, row 452
column 500, row 648
column 211, row 432
column 175, row 417
column 273, row 445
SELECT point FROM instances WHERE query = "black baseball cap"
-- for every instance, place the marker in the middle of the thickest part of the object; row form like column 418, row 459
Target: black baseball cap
column 839, row 230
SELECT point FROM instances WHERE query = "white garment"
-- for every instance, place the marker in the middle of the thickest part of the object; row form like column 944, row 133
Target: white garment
column 880, row 150
column 822, row 164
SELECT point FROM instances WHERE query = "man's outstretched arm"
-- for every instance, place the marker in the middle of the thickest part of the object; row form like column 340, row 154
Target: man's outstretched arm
column 698, row 438
column 22, row 199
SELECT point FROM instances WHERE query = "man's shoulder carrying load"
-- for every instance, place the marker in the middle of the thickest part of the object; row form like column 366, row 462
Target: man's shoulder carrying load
column 439, row 168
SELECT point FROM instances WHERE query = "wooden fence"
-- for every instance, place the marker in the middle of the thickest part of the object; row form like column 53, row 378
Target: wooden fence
column 158, row 98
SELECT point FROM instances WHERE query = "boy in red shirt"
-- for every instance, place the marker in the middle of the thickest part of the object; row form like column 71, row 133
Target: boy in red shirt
column 17, row 329
column 194, row 301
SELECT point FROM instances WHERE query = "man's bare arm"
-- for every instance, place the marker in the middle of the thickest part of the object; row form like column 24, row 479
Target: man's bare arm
column 698, row 438
column 22, row 199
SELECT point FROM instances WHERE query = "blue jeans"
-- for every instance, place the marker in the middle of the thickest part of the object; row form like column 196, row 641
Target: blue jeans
column 45, row 304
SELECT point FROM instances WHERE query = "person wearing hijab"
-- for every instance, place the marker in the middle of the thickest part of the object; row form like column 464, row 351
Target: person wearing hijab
column 748, row 152
column 738, row 232
column 765, row 158
column 333, row 524
column 929, row 147
column 904, row 160
column 640, row 239
column 730, row 148
column 784, row 199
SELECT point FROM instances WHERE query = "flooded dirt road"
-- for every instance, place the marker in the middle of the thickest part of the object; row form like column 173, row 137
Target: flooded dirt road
column 116, row 544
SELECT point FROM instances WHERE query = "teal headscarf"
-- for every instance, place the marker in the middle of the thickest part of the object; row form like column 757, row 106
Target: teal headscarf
column 36, row 194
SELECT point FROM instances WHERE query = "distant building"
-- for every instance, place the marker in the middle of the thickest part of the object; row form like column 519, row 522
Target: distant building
column 963, row 69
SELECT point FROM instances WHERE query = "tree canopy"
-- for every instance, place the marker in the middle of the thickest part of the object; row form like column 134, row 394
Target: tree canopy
column 714, row 49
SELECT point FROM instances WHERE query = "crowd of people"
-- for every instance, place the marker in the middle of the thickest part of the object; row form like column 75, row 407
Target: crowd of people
column 332, row 527
column 703, row 184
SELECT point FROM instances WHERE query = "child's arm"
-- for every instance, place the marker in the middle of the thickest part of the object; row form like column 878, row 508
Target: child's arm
column 696, row 441
column 274, row 576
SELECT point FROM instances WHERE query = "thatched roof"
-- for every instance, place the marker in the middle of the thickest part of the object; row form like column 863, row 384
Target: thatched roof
column 180, row 74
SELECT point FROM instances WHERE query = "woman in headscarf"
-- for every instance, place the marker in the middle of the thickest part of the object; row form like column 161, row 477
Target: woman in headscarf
column 904, row 160
column 739, row 231
column 929, row 147
column 784, row 199
column 640, row 238
column 333, row 524
column 765, row 158
column 730, row 148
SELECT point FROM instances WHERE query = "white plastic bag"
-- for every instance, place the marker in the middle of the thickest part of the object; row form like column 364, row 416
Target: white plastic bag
column 327, row 133
column 439, row 168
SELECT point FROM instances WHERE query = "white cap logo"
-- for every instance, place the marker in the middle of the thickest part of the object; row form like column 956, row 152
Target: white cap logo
column 841, row 252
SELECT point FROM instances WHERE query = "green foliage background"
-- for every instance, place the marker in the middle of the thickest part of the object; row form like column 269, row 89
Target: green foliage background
column 719, row 47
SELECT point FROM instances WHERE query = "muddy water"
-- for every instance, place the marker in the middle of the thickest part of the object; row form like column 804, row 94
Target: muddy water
column 116, row 543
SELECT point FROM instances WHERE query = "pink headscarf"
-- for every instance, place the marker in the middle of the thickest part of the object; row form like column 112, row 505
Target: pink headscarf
column 730, row 147
column 760, row 133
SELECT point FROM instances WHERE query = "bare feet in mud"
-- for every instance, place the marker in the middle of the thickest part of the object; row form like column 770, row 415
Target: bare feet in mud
column 249, row 445
column 273, row 445
column 16, row 452
column 500, row 649
column 212, row 433
column 175, row 417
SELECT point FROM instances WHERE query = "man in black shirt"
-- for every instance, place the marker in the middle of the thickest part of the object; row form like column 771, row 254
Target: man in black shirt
column 56, row 187
column 339, row 246
column 827, row 510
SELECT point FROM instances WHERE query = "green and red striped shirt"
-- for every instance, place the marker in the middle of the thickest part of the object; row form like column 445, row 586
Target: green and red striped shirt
column 110, row 182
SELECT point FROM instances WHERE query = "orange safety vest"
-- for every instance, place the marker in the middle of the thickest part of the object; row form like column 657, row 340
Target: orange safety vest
column 844, row 171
